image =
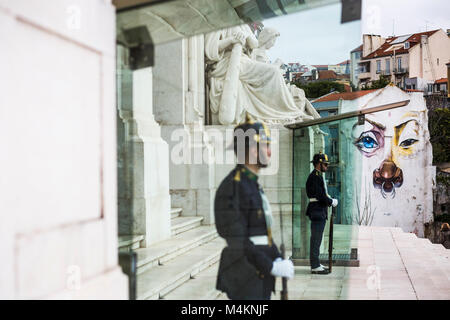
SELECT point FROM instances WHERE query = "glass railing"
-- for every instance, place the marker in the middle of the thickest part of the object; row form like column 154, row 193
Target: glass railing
column 356, row 146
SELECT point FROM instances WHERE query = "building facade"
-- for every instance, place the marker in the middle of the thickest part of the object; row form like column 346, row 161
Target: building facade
column 411, row 61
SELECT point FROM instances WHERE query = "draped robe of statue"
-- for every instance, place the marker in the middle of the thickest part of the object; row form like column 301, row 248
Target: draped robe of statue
column 261, row 91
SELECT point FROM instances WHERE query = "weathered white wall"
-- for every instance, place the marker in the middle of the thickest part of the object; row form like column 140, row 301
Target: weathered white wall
column 424, row 63
column 58, row 230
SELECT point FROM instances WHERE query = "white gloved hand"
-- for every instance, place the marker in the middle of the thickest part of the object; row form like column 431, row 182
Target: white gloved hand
column 334, row 203
column 283, row 268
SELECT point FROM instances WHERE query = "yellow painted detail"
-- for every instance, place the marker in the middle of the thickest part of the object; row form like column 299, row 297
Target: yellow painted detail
column 269, row 235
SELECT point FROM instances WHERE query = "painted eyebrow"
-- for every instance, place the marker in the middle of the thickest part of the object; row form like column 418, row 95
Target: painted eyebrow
column 404, row 123
column 374, row 123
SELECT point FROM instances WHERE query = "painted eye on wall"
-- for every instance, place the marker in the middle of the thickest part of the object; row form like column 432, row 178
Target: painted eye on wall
column 408, row 142
column 367, row 142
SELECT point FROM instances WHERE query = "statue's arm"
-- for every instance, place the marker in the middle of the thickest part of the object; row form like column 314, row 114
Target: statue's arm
column 252, row 42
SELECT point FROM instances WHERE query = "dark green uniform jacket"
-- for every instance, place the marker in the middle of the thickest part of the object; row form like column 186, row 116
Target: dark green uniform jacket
column 244, row 269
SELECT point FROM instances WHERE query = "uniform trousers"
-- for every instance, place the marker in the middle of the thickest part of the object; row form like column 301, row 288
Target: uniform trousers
column 317, row 228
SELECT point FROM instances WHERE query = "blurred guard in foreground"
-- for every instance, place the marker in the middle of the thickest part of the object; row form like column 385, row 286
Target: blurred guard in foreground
column 251, row 260
column 317, row 211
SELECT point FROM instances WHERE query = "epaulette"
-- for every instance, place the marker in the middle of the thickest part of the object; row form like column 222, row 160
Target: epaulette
column 237, row 176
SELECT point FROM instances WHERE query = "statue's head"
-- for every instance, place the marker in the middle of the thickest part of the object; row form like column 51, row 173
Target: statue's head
column 267, row 38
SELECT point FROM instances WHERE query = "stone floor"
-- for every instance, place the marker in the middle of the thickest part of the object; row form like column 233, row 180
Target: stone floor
column 393, row 266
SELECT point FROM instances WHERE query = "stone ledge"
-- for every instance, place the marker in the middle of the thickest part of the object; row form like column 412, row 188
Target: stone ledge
column 130, row 242
column 157, row 282
column 164, row 251
column 175, row 212
column 183, row 224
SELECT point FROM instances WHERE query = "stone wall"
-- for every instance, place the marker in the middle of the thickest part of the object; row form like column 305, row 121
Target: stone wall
column 58, row 230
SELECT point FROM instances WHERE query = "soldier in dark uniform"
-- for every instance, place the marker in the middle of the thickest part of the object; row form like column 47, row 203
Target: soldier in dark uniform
column 317, row 209
column 251, row 260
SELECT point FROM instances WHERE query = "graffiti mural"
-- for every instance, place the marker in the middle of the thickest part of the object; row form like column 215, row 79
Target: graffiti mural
column 394, row 155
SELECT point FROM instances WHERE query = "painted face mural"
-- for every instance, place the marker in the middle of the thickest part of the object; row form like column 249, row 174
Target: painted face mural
column 392, row 168
column 388, row 139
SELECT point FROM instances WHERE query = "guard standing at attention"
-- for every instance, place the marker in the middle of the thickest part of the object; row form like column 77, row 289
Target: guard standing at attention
column 251, row 261
column 317, row 210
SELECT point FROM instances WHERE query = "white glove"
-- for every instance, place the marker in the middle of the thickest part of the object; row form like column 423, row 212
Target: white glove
column 283, row 268
column 334, row 203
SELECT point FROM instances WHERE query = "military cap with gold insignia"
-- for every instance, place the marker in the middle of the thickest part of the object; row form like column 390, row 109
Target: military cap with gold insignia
column 320, row 158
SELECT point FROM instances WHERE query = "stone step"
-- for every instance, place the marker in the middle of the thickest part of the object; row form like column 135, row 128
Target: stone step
column 130, row 242
column 428, row 276
column 157, row 282
column 438, row 265
column 200, row 287
column 183, row 224
column 160, row 253
column 175, row 212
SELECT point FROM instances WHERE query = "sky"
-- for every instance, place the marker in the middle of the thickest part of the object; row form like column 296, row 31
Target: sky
column 317, row 37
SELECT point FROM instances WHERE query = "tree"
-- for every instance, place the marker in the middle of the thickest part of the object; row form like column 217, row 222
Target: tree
column 320, row 88
column 378, row 84
column 439, row 127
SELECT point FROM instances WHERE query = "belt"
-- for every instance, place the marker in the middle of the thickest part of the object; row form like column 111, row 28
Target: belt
column 313, row 200
column 260, row 240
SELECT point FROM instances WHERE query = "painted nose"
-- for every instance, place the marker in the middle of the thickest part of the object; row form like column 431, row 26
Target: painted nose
column 387, row 177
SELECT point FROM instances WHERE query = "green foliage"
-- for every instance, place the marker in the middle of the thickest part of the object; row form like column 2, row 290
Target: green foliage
column 443, row 218
column 377, row 84
column 443, row 180
column 439, row 127
column 354, row 88
column 320, row 88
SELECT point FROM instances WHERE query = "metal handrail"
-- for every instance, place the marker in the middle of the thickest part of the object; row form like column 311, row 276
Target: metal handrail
column 347, row 115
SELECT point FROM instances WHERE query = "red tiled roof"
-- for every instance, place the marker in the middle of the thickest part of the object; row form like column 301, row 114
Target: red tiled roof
column 344, row 95
column 320, row 65
column 442, row 80
column 344, row 62
column 413, row 90
column 357, row 49
column 327, row 74
column 414, row 39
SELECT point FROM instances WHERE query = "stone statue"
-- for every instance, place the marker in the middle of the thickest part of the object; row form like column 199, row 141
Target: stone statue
column 266, row 40
column 240, row 84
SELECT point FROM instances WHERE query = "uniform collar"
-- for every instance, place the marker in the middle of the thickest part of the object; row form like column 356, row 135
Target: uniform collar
column 317, row 172
column 246, row 171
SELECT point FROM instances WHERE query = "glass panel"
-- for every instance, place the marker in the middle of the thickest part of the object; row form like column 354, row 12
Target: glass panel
column 344, row 172
column 171, row 20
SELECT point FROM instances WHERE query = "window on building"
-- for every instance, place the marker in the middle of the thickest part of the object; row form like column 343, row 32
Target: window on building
column 378, row 66
column 399, row 64
column 430, row 87
column 437, row 61
column 388, row 66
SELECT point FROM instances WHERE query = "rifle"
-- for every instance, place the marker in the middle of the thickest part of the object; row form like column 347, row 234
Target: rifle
column 330, row 241
column 284, row 290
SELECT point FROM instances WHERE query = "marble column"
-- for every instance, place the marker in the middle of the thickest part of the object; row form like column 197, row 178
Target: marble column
column 179, row 102
column 144, row 208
